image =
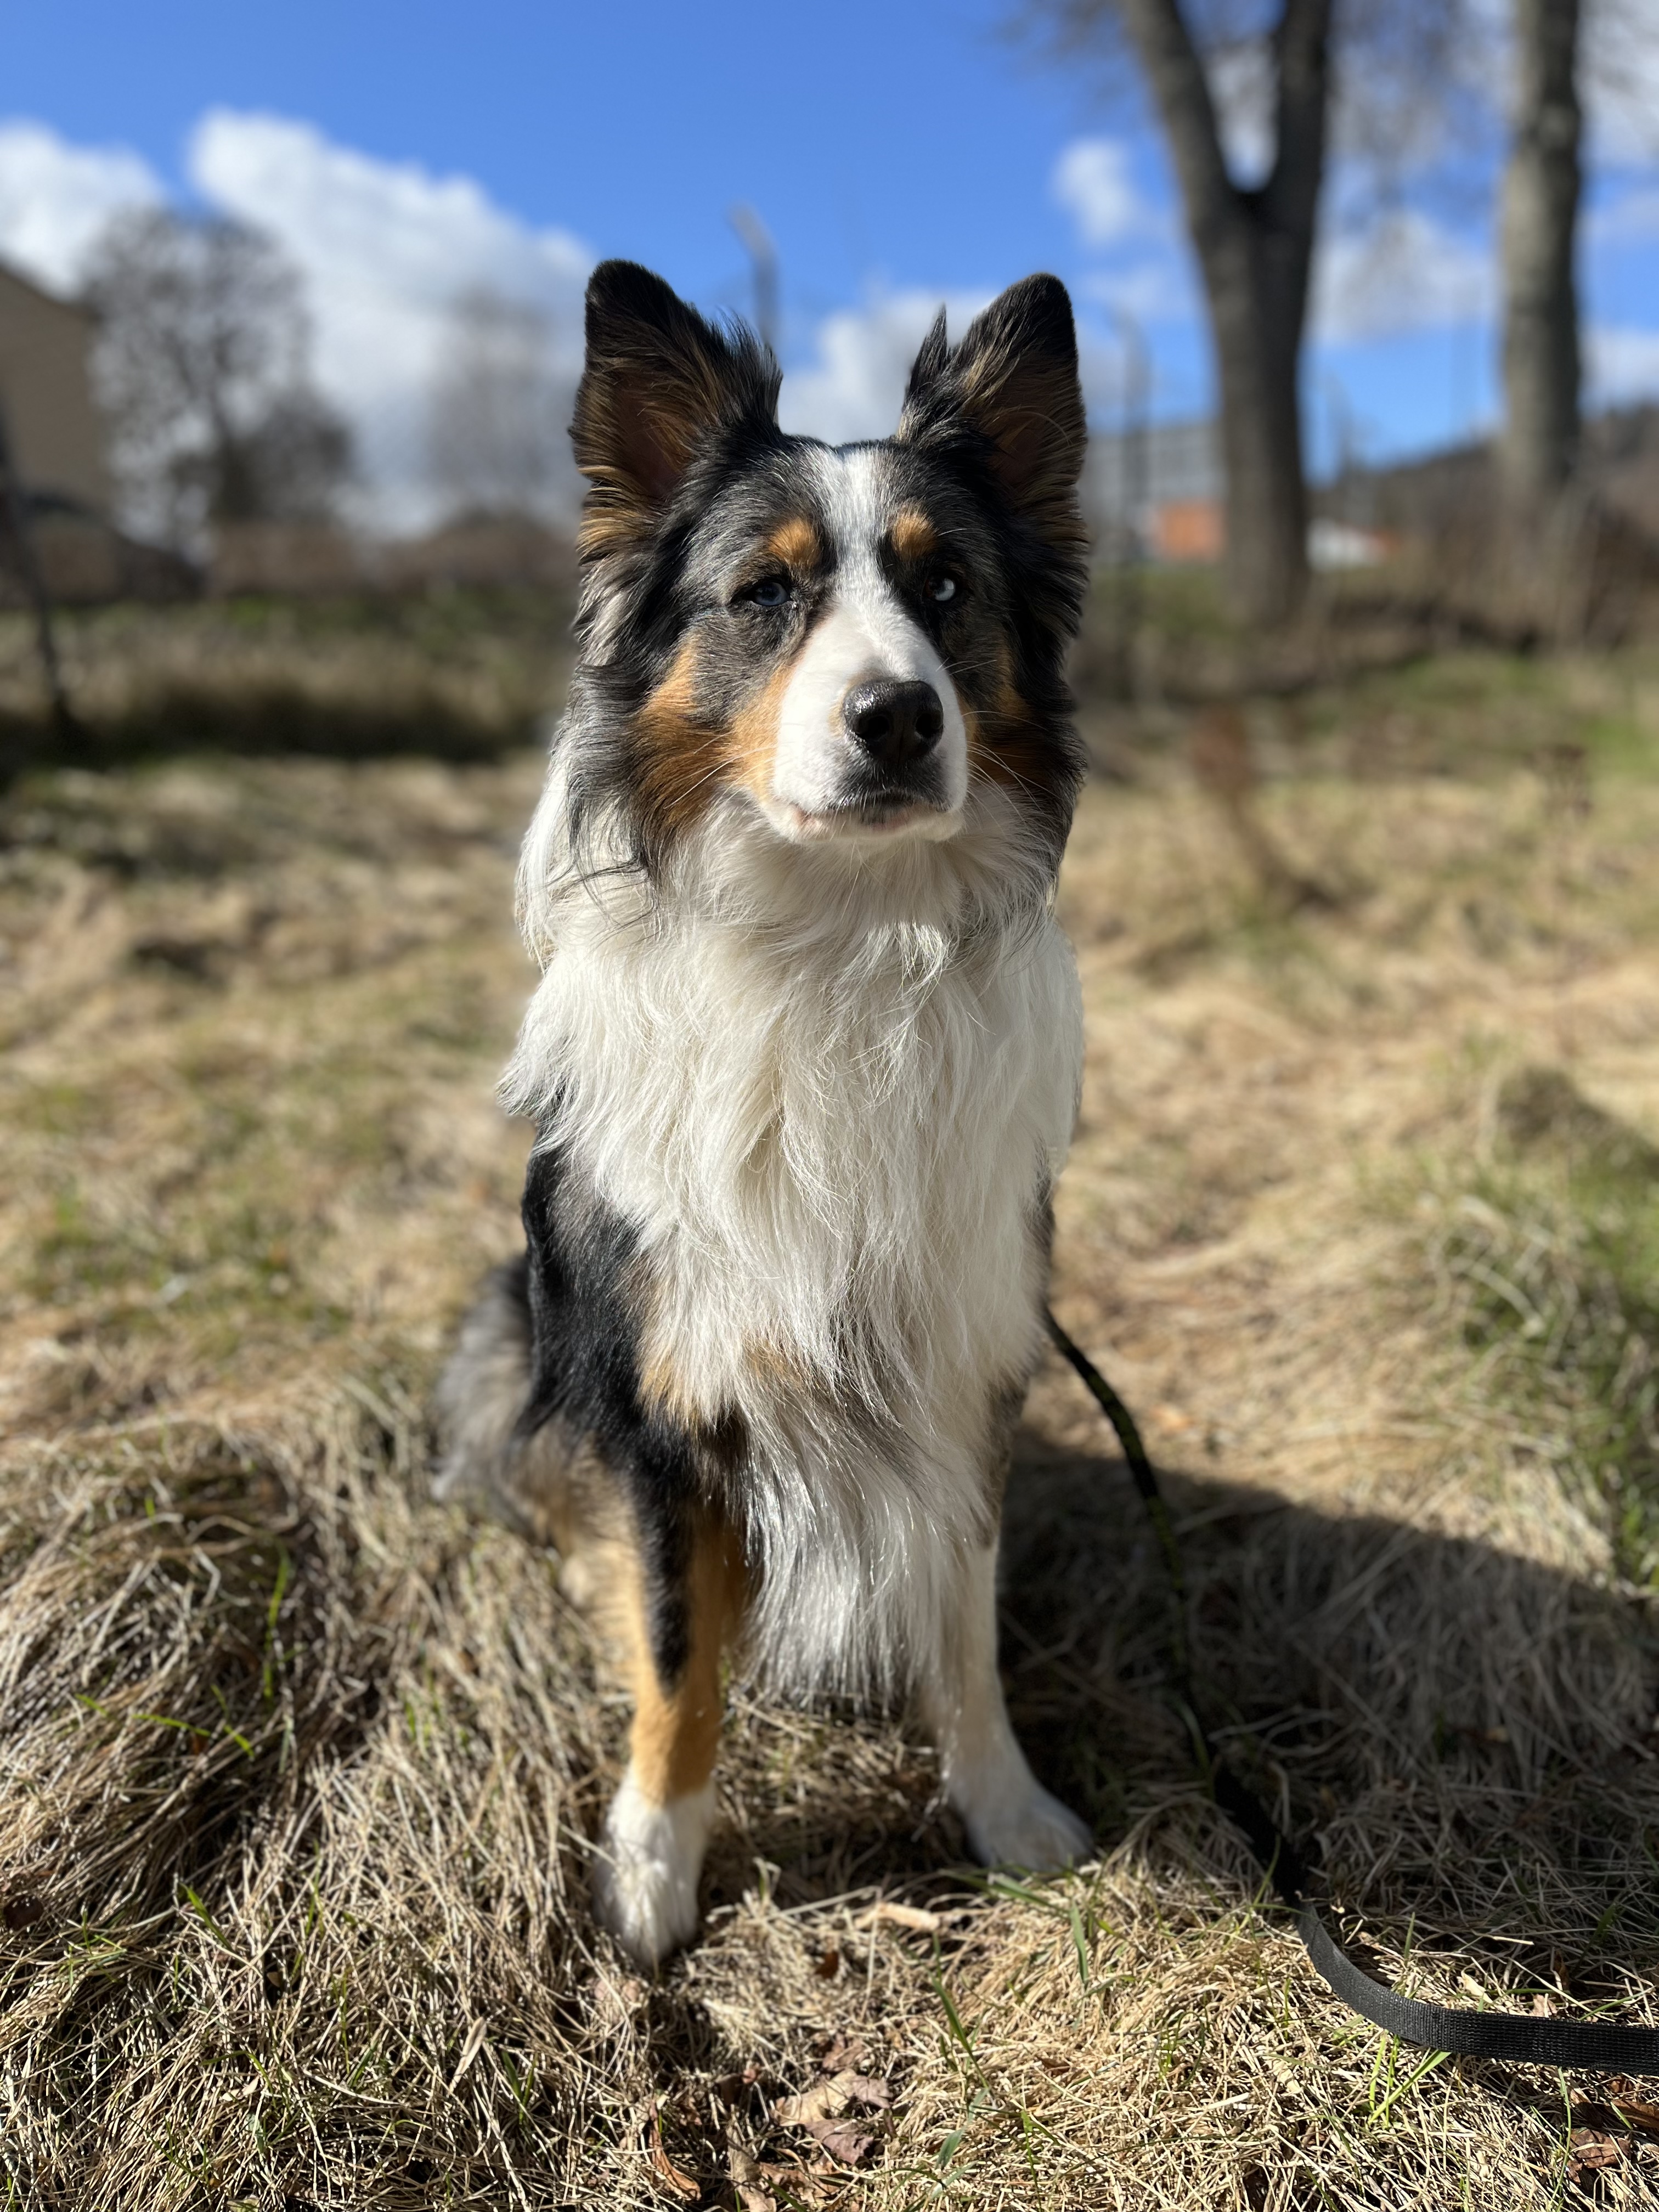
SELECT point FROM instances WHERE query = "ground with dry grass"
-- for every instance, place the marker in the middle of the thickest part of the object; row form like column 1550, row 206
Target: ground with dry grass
column 302, row 1771
column 460, row 674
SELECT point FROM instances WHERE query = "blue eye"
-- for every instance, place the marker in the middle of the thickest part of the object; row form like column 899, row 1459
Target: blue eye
column 770, row 593
column 942, row 591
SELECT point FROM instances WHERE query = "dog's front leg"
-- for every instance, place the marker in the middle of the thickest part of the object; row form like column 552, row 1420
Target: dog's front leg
column 1012, row 1819
column 650, row 1855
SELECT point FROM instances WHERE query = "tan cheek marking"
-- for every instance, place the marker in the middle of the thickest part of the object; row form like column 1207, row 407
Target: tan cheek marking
column 796, row 544
column 681, row 757
column 684, row 759
column 754, row 734
column 914, row 536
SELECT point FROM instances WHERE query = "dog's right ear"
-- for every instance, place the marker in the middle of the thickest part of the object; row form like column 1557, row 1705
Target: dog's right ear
column 658, row 386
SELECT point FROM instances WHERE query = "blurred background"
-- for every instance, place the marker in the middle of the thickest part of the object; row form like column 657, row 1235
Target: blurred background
column 291, row 306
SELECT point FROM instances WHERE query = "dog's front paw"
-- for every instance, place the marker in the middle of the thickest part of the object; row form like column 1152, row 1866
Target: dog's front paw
column 1028, row 1828
column 644, row 1879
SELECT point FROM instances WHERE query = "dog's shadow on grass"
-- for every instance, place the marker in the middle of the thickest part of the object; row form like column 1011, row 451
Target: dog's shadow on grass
column 1462, row 1735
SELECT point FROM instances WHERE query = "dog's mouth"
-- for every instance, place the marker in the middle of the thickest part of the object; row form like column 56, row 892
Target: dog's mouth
column 869, row 815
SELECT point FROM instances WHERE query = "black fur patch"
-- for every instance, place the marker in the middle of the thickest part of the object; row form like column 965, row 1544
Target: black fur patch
column 581, row 1289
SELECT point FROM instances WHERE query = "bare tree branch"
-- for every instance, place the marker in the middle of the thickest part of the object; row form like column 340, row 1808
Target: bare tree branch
column 496, row 411
column 202, row 366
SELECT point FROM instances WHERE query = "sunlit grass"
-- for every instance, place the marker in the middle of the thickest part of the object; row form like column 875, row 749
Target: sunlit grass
column 301, row 1772
column 1551, row 1254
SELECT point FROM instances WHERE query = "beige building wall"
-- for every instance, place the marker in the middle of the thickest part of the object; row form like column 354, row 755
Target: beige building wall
column 45, row 387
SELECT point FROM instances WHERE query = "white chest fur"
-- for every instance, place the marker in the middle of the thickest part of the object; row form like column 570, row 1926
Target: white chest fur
column 831, row 1131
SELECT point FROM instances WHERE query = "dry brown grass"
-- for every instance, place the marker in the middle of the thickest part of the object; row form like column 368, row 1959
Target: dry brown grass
column 301, row 1770
column 461, row 674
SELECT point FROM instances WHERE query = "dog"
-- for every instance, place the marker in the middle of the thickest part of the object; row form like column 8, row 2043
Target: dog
column 805, row 1057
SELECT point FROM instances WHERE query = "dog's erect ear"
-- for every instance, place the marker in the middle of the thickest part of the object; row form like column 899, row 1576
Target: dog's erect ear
column 658, row 383
column 1010, row 389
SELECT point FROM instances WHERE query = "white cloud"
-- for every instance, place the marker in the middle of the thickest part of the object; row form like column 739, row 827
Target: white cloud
column 386, row 248
column 55, row 199
column 854, row 384
column 1624, row 363
column 854, row 387
column 1407, row 273
column 1094, row 181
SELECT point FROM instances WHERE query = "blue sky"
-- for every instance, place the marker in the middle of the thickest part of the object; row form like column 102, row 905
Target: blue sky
column 901, row 153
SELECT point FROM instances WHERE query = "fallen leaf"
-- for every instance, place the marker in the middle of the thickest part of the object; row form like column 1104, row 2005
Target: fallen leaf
column 681, row 2183
column 849, row 2144
column 1634, row 2111
column 824, row 2100
column 865, row 2089
column 828, row 1965
column 842, row 2051
column 749, row 2178
column 1592, row 2150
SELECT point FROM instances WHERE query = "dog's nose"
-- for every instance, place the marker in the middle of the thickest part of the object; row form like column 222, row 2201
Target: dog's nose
column 895, row 723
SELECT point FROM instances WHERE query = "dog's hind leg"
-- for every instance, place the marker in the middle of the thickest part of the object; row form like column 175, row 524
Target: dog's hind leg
column 1011, row 1819
column 549, row 1485
column 650, row 1855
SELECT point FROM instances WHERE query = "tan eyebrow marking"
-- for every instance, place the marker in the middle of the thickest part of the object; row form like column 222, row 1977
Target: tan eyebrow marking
column 914, row 536
column 796, row 544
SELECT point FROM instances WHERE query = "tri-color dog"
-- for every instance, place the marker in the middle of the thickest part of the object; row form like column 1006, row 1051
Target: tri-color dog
column 805, row 1057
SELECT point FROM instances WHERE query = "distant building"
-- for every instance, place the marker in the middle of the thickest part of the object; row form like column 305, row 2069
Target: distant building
column 45, row 388
column 1156, row 494
column 59, row 453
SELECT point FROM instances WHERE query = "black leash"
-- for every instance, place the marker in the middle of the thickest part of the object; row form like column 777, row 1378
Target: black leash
column 1600, row 2046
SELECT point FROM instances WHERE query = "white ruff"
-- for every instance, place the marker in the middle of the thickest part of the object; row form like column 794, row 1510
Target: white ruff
column 830, row 1088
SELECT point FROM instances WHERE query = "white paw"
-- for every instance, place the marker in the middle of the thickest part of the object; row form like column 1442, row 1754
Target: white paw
column 645, row 1878
column 1027, row 1827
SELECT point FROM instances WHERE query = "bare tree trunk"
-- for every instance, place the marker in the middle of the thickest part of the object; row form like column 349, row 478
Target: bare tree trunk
column 1254, row 249
column 15, row 505
column 1256, row 360
column 1539, row 445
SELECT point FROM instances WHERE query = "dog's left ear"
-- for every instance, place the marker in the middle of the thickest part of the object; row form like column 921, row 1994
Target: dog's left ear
column 1010, row 389
column 659, row 385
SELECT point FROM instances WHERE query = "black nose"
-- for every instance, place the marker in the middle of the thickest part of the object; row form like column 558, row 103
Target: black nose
column 895, row 723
